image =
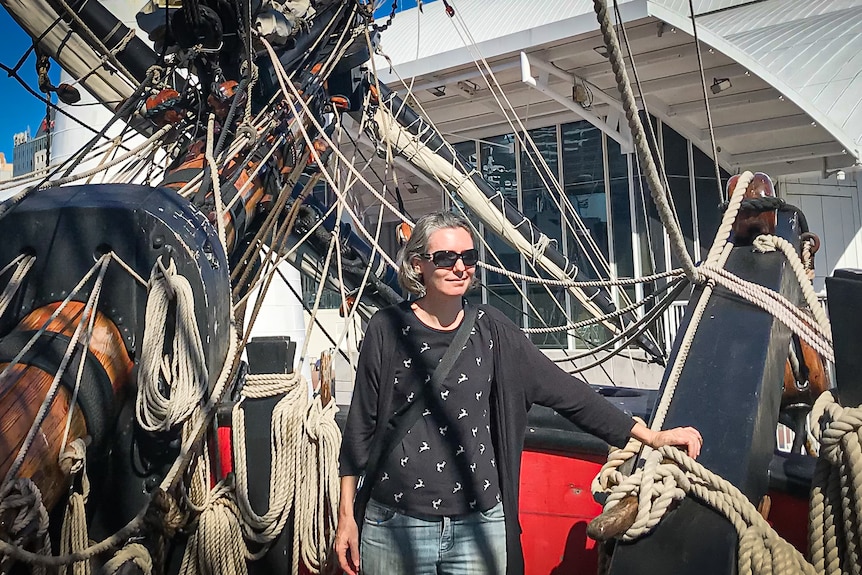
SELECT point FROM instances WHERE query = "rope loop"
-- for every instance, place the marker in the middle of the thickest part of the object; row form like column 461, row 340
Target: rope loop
column 133, row 553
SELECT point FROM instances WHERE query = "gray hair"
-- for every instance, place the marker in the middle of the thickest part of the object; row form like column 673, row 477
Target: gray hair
column 417, row 246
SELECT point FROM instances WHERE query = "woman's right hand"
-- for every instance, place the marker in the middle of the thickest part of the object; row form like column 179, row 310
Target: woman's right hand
column 347, row 544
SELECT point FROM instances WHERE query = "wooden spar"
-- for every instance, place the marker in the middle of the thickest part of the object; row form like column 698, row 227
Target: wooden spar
column 25, row 386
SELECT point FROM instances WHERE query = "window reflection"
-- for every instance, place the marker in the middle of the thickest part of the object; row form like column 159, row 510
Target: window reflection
column 538, row 192
column 497, row 163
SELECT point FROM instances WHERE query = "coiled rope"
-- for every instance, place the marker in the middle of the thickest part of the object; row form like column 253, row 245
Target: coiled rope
column 835, row 508
column 288, row 417
column 73, row 533
column 183, row 371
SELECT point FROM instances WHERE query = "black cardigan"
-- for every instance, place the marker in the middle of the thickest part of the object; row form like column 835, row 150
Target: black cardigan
column 523, row 375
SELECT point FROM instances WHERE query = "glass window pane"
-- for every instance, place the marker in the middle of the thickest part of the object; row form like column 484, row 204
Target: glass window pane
column 707, row 198
column 536, row 191
column 497, row 161
column 676, row 163
column 583, row 177
column 621, row 213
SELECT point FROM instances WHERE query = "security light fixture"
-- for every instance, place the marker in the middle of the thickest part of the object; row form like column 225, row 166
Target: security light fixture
column 438, row 91
column 720, row 85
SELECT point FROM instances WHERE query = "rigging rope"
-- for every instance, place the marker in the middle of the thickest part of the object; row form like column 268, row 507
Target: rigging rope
column 657, row 190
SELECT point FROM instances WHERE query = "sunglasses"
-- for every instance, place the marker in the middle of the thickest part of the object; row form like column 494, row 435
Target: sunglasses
column 448, row 258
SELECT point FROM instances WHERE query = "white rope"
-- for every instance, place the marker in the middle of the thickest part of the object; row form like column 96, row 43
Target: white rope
column 134, row 153
column 592, row 321
column 24, row 264
column 216, row 546
column 134, row 553
column 569, row 283
column 183, row 370
column 768, row 243
column 288, row 417
column 658, row 484
column 317, row 498
column 777, row 305
column 835, row 510
column 73, row 533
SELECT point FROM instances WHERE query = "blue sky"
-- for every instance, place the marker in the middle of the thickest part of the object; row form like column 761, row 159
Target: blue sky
column 21, row 108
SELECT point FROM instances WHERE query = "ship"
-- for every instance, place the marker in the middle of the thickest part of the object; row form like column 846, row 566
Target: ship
column 147, row 429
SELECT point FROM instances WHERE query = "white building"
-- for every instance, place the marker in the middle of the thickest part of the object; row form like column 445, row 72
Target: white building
column 784, row 86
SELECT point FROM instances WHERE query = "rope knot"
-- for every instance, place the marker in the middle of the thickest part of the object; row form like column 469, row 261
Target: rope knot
column 765, row 243
column 73, row 458
column 832, row 425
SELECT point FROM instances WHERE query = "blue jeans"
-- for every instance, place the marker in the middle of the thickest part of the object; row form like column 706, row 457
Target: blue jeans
column 396, row 544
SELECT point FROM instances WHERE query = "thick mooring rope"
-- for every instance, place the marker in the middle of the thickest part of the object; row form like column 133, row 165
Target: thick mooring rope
column 835, row 511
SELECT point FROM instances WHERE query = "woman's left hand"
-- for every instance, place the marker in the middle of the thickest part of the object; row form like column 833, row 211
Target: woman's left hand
column 687, row 437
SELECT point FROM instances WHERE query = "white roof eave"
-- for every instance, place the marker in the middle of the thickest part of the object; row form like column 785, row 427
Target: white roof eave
column 683, row 22
column 510, row 43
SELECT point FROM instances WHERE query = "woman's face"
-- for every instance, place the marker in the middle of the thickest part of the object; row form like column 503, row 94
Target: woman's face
column 447, row 281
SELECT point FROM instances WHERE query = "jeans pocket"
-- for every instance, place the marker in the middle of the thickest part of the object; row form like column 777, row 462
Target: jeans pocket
column 494, row 514
column 377, row 514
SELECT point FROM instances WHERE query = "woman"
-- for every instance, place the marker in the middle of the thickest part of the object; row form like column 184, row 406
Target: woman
column 444, row 498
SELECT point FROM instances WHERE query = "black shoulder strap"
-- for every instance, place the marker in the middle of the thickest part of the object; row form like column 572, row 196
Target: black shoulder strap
column 397, row 427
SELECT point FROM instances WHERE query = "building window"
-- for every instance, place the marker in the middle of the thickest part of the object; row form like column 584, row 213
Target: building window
column 675, row 149
column 621, row 213
column 547, row 304
column 468, row 151
column 707, row 198
column 498, row 165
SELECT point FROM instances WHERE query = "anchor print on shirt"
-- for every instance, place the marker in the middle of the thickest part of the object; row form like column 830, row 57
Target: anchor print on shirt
column 425, row 347
column 481, row 448
column 474, row 431
column 478, row 396
column 436, row 503
column 408, row 362
column 427, row 378
column 424, row 447
column 410, row 397
column 460, row 450
column 493, row 463
column 404, row 461
column 480, row 314
column 463, row 413
column 443, row 429
column 490, row 343
column 426, row 413
column 441, row 466
column 473, row 467
column 462, row 378
column 444, row 395
column 473, row 504
column 457, row 487
column 398, row 497
column 385, row 477
column 479, row 361
column 498, row 498
column 486, row 485
column 406, row 330
column 396, row 381
column 419, row 484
